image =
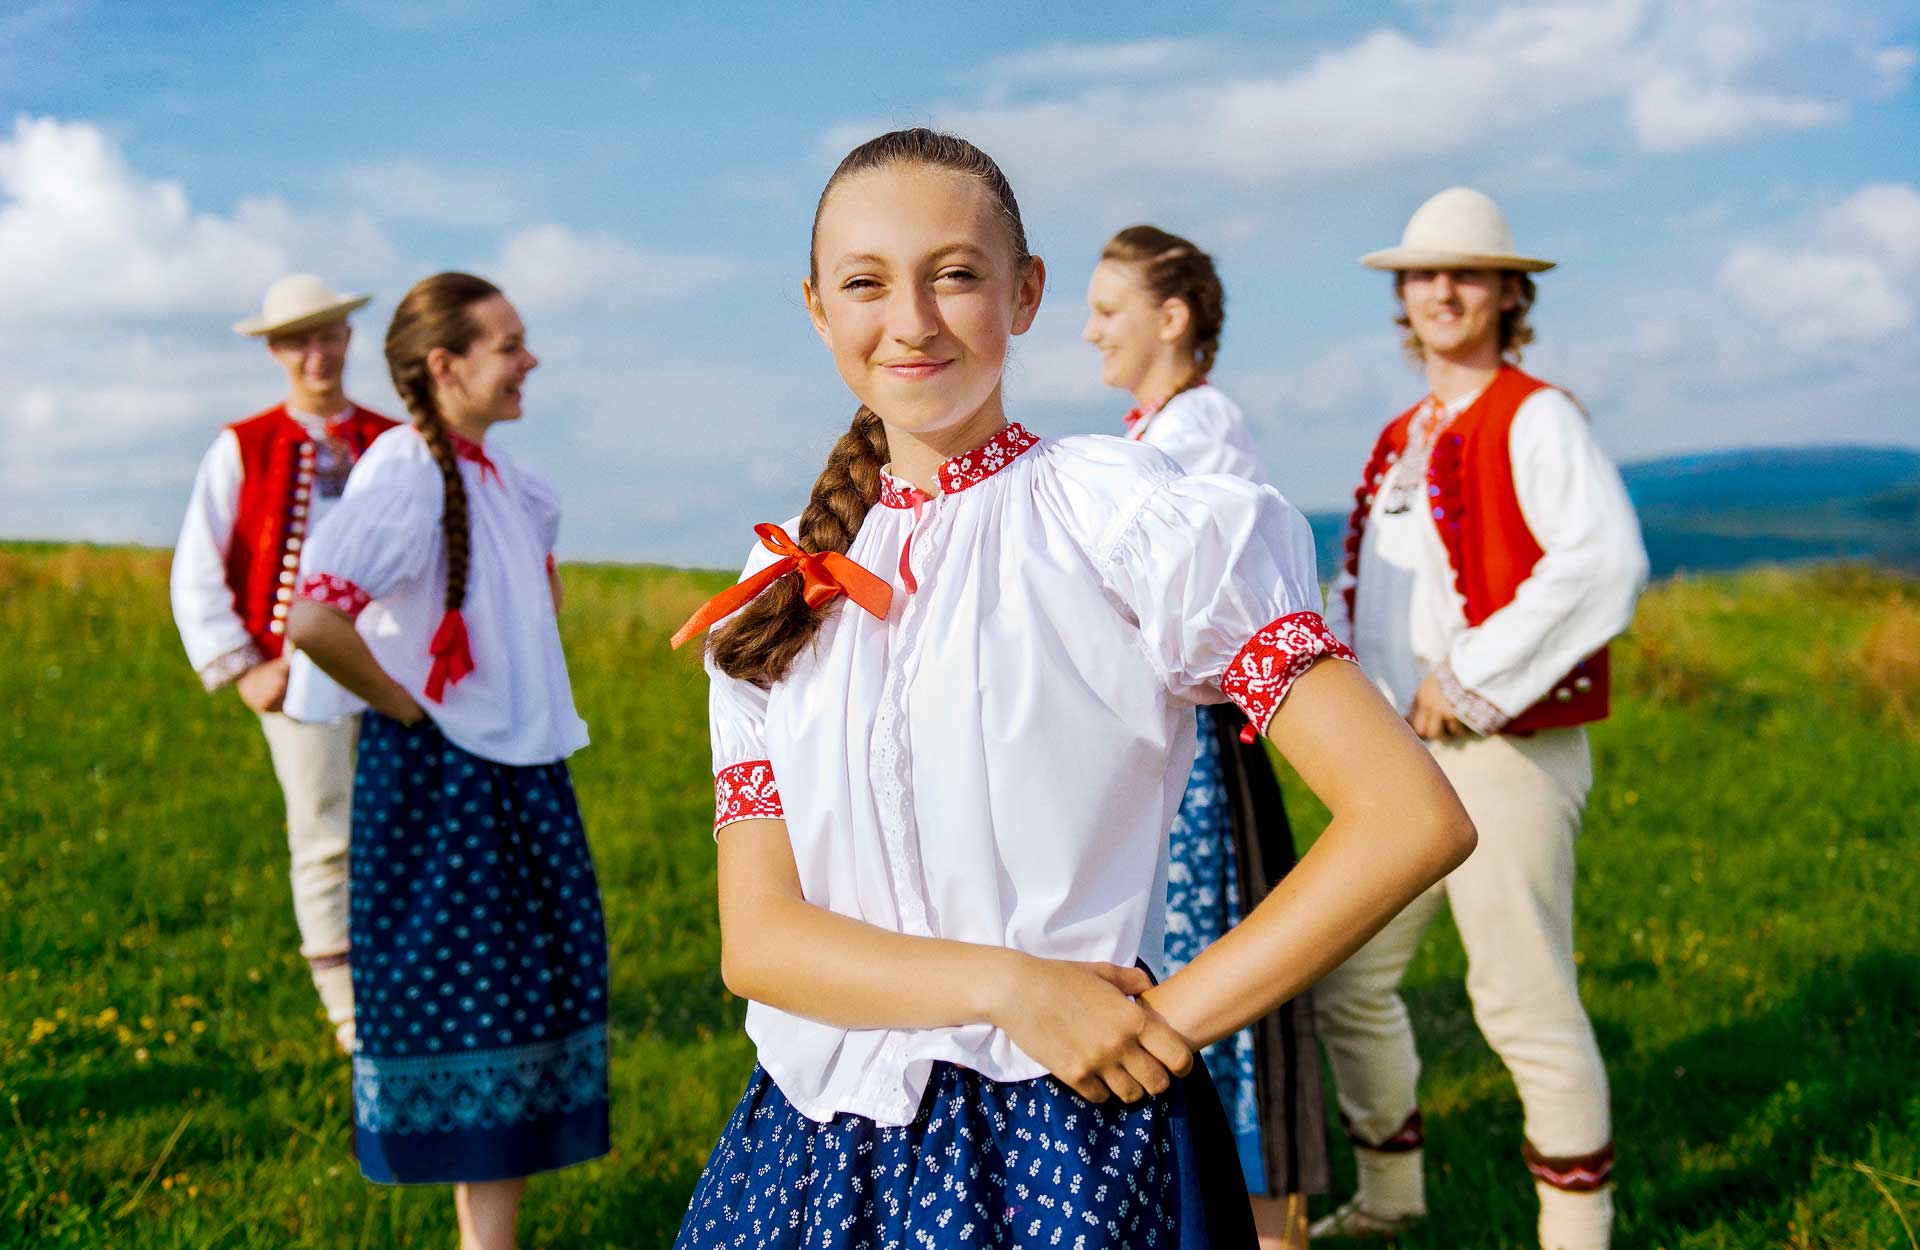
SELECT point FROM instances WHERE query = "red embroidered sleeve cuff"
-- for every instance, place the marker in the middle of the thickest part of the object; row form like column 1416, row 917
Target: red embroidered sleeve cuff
column 1474, row 712
column 1265, row 669
column 335, row 592
column 745, row 792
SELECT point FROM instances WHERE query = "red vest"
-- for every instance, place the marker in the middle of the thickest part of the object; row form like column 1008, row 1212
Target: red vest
column 1489, row 545
column 276, row 481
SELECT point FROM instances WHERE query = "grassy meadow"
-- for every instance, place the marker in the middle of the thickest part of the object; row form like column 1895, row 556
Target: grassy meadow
column 1748, row 931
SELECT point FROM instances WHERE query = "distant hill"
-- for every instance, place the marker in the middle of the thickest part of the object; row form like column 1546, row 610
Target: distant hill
column 1731, row 509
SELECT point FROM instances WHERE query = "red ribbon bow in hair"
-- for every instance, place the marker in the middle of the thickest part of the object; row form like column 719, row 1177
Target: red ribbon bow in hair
column 823, row 574
column 452, row 657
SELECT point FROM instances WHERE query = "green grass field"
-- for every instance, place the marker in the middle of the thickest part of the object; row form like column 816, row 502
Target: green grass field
column 1748, row 931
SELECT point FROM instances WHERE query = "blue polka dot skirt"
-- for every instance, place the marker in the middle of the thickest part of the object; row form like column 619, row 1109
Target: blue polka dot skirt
column 1203, row 902
column 985, row 1164
column 479, row 965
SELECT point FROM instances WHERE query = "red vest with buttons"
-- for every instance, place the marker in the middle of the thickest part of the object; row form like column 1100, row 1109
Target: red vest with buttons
column 276, row 485
column 1489, row 545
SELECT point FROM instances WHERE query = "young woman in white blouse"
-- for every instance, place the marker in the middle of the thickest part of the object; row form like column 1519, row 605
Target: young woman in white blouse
column 942, row 806
column 479, row 947
column 1155, row 310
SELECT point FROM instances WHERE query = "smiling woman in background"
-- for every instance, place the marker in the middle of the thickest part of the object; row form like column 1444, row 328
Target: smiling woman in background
column 1155, row 309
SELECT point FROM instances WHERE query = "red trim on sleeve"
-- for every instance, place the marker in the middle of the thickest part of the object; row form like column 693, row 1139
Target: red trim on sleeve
column 335, row 592
column 745, row 792
column 1265, row 669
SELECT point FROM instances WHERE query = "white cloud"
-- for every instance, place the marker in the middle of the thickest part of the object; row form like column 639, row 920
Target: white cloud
column 84, row 234
column 1059, row 61
column 550, row 266
column 1847, row 282
column 1892, row 67
column 401, row 187
column 1817, row 298
column 1523, row 78
column 1882, row 218
column 1671, row 112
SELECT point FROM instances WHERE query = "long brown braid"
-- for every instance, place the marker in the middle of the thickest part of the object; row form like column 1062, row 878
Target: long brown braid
column 434, row 314
column 761, row 642
column 1173, row 268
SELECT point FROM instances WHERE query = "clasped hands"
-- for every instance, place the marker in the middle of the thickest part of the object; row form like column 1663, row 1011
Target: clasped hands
column 1088, row 1025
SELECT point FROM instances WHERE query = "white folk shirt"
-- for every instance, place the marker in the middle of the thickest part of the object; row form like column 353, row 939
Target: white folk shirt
column 1205, row 431
column 999, row 760
column 217, row 642
column 1409, row 617
column 380, row 557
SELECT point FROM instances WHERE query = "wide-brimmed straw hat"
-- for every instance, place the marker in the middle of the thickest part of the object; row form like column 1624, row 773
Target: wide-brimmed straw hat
column 1460, row 228
column 299, row 302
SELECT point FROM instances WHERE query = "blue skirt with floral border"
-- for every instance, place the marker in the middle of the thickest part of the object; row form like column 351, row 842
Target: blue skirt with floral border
column 479, row 965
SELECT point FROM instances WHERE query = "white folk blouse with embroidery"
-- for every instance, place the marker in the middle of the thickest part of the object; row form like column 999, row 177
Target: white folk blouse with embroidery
column 1205, row 431
column 999, row 760
column 379, row 556
column 1410, row 619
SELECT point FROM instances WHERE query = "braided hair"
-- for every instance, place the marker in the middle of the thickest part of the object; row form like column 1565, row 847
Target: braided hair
column 1171, row 267
column 761, row 642
column 435, row 314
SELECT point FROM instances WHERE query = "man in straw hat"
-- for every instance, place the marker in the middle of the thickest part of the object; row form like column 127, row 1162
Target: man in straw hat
column 1491, row 556
column 260, row 489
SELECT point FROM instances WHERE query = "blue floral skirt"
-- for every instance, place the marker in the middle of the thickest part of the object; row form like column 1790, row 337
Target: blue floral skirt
column 984, row 1164
column 479, row 965
column 1229, row 846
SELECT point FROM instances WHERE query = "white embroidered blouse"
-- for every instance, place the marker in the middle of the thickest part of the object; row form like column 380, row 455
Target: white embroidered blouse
column 1409, row 618
column 999, row 760
column 380, row 557
column 1203, row 430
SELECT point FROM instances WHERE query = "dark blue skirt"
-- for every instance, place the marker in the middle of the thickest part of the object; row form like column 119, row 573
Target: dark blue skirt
column 479, row 965
column 984, row 1164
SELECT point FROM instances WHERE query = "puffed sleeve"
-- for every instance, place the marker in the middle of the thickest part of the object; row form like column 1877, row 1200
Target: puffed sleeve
column 1220, row 575
column 217, row 642
column 743, row 783
column 542, row 503
column 384, row 532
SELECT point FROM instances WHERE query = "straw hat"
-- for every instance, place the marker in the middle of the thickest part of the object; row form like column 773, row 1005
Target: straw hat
column 299, row 302
column 1460, row 228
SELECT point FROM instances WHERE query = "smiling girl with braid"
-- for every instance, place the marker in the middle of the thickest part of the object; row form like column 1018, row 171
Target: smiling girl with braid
column 479, row 949
column 952, row 716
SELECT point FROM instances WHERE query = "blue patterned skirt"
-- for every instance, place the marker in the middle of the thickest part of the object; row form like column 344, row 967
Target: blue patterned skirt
column 479, row 965
column 985, row 1164
column 1230, row 845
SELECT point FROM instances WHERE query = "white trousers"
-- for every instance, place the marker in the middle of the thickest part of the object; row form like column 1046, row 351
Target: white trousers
column 1513, row 904
column 315, row 766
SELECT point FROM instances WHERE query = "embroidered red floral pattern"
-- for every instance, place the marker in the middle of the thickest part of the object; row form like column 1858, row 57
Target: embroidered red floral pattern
column 899, row 493
column 335, row 592
column 1273, row 659
column 745, row 792
column 987, row 459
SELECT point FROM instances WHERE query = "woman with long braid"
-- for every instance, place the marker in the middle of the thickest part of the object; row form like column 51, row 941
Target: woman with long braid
column 1155, row 310
column 942, row 807
column 479, row 948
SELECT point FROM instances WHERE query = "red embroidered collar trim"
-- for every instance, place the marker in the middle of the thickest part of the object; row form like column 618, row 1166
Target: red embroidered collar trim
column 987, row 459
column 897, row 492
column 467, row 449
column 968, row 469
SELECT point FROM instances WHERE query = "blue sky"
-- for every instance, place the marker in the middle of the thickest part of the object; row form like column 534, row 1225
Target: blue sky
column 1733, row 191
